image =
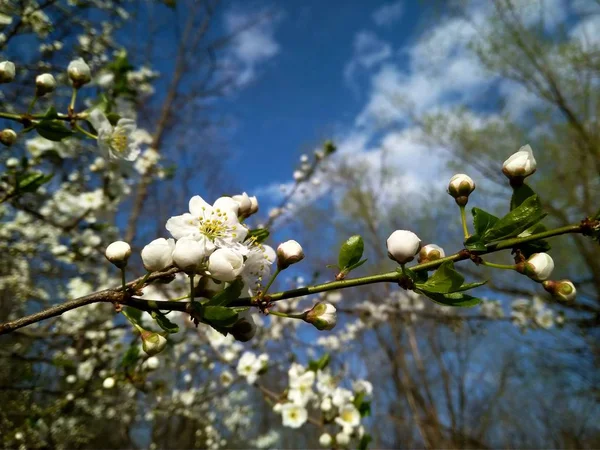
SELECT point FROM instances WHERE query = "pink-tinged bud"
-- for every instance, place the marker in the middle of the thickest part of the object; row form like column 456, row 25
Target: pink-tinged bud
column 403, row 245
column 562, row 290
column 431, row 252
column 460, row 187
column 288, row 253
column 323, row 316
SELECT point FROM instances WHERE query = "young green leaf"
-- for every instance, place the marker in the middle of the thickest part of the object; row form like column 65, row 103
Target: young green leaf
column 30, row 182
column 220, row 315
column 457, row 299
column 227, row 295
column 445, row 279
column 518, row 220
column 520, row 194
column 164, row 322
column 351, row 252
column 53, row 130
column 364, row 442
column 483, row 220
column 474, row 243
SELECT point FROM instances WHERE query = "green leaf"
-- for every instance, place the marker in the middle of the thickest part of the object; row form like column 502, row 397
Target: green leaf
column 113, row 118
column 467, row 286
column 227, row 295
column 320, row 363
column 518, row 220
column 475, row 244
column 457, row 299
column 51, row 113
column 259, row 235
column 164, row 322
column 131, row 356
column 416, row 277
column 351, row 252
column 364, row 442
column 358, row 264
column 30, row 182
column 53, row 130
column 365, row 409
column 520, row 194
column 483, row 220
column 444, row 280
column 220, row 315
column 529, row 248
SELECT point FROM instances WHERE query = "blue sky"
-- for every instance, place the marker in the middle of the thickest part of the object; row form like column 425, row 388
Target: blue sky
column 339, row 70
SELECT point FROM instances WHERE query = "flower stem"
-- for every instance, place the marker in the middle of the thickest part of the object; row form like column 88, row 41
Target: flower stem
column 11, row 116
column 143, row 280
column 499, row 266
column 463, row 219
column 289, row 316
column 192, row 287
column 123, row 281
column 73, row 98
column 270, row 282
column 131, row 320
column 32, row 104
column 87, row 133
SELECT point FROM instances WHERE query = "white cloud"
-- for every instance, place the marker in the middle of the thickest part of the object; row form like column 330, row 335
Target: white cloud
column 369, row 51
column 388, row 13
column 255, row 44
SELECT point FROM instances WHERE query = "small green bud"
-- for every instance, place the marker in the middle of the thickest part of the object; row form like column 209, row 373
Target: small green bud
column 153, row 343
column 323, row 316
column 8, row 137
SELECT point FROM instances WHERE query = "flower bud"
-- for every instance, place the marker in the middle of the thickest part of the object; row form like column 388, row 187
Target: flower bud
column 118, row 253
column 44, row 84
column 245, row 203
column 538, row 267
column 225, row 264
column 153, row 343
column 430, row 252
column 563, row 290
column 342, row 438
column 325, row 440
column 79, row 72
column 7, row 71
column 245, row 328
column 460, row 187
column 8, row 137
column 403, row 245
column 188, row 254
column 254, row 205
column 158, row 254
column 519, row 165
column 12, row 163
column 108, row 383
column 288, row 253
column 323, row 316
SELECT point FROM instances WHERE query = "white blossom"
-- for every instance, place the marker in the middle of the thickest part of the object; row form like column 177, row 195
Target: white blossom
column 115, row 142
column 293, row 415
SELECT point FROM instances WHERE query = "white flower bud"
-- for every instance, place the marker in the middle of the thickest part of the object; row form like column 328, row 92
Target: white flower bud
column 563, row 290
column 8, row 137
column 225, row 264
column 7, row 71
column 12, row 163
column 460, row 187
column 245, row 204
column 254, row 205
column 188, row 254
column 152, row 363
column 288, row 253
column 298, row 175
column 431, row 252
column 323, row 316
column 79, row 72
column 158, row 254
column 325, row 440
column 520, row 164
column 44, row 84
column 538, row 267
column 118, row 253
column 403, row 245
column 153, row 343
column 108, row 383
column 342, row 439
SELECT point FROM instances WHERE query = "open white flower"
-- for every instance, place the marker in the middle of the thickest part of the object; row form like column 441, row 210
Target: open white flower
column 215, row 226
column 293, row 416
column 257, row 267
column 301, row 388
column 325, row 440
column 225, row 264
column 349, row 417
column 115, row 142
column 249, row 366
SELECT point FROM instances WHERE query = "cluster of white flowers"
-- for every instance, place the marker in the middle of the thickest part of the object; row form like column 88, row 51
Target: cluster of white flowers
column 250, row 366
column 318, row 390
column 533, row 313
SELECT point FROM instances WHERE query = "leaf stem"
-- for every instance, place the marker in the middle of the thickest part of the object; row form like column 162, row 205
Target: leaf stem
column 87, row 133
